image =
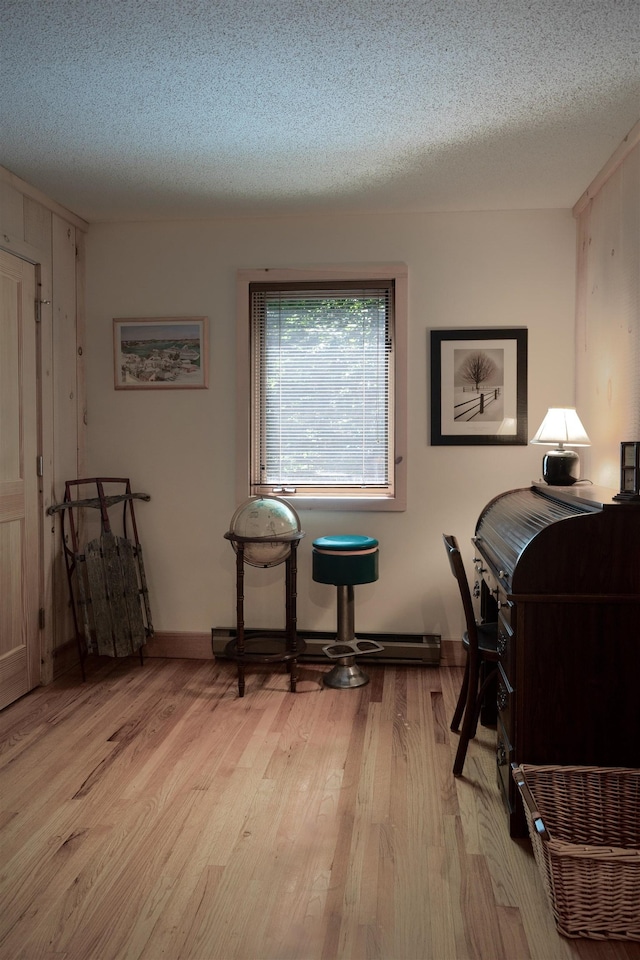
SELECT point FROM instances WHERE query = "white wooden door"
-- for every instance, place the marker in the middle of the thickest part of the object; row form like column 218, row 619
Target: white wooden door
column 19, row 498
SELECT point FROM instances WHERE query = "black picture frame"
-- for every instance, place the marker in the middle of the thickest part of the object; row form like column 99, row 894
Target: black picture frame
column 497, row 359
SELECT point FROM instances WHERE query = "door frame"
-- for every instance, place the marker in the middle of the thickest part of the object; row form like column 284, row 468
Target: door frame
column 22, row 667
column 42, row 233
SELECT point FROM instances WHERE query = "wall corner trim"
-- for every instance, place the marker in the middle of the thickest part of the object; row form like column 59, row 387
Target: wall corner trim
column 630, row 141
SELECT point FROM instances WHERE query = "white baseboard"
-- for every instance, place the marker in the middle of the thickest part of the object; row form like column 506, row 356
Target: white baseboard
column 187, row 646
column 197, row 646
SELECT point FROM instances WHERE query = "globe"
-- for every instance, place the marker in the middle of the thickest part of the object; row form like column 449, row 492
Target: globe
column 260, row 517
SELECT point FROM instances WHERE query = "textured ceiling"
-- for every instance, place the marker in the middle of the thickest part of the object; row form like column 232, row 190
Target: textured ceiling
column 146, row 109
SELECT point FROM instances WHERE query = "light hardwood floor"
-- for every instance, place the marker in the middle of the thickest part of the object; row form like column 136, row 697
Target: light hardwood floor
column 149, row 813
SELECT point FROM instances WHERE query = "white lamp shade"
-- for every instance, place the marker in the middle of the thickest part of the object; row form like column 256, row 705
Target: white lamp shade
column 562, row 425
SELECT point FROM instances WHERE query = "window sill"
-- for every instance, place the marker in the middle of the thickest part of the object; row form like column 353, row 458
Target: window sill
column 346, row 504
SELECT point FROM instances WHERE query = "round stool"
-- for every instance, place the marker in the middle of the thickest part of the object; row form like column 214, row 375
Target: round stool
column 344, row 560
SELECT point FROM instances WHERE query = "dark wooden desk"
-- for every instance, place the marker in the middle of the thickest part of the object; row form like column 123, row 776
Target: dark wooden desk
column 561, row 567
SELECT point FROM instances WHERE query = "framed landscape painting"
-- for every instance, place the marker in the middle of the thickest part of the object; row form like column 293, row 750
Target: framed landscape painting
column 479, row 386
column 160, row 353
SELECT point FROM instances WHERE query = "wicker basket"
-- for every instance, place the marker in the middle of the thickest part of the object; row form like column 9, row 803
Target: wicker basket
column 584, row 824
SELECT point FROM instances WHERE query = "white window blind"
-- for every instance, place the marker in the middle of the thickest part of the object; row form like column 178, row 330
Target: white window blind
column 322, row 380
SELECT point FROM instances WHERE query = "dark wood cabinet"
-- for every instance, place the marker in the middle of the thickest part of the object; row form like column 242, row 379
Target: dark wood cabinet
column 562, row 570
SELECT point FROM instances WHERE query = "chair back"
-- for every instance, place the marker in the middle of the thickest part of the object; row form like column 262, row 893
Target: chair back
column 457, row 569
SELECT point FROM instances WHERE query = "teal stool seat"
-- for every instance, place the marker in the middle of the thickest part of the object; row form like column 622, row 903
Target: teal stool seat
column 351, row 542
column 344, row 560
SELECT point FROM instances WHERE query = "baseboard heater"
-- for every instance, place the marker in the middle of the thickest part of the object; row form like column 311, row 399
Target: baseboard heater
column 419, row 649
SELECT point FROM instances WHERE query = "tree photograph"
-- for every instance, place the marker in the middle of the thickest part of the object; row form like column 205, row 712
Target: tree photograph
column 478, row 384
column 477, row 369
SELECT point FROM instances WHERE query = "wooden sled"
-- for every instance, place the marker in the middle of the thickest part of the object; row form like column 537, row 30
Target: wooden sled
column 107, row 583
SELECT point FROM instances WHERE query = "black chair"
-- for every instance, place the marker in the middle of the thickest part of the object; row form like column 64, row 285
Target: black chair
column 480, row 643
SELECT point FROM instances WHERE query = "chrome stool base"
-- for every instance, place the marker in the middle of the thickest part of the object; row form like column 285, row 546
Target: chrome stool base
column 346, row 673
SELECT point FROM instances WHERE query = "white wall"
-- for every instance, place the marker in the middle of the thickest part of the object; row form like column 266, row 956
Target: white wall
column 465, row 269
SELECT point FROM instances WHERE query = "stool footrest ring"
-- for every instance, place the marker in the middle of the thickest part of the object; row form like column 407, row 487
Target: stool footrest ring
column 351, row 648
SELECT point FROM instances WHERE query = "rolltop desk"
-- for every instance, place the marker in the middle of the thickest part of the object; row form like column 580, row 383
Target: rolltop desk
column 559, row 567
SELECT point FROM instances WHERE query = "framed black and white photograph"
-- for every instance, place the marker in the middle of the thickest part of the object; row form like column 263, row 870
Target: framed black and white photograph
column 479, row 386
column 160, row 353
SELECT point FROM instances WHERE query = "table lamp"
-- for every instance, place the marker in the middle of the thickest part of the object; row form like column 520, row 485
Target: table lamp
column 561, row 467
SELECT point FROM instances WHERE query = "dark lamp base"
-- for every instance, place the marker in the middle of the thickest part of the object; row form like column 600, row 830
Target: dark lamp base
column 561, row 468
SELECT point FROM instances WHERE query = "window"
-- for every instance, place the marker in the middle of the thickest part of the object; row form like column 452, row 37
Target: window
column 322, row 360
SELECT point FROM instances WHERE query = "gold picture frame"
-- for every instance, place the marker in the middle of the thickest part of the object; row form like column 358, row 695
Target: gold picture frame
column 160, row 353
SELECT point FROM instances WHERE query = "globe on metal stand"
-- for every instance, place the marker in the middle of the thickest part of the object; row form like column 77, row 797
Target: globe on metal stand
column 264, row 532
